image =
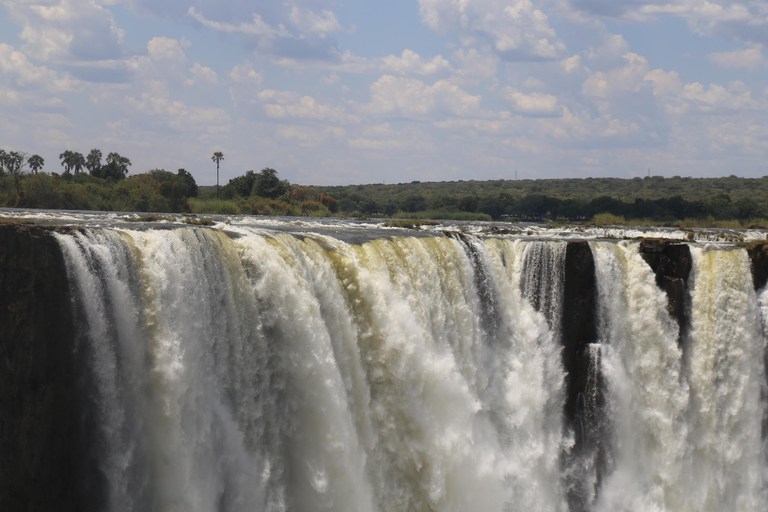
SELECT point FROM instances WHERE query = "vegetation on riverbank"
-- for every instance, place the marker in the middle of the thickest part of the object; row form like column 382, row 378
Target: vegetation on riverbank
column 87, row 184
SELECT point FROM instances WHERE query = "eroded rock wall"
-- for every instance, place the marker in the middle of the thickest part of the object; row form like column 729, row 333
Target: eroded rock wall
column 41, row 434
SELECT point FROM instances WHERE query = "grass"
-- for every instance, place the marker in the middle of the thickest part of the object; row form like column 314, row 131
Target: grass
column 608, row 219
column 220, row 206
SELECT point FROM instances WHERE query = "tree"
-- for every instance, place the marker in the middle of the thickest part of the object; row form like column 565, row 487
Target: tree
column 67, row 161
column 267, row 184
column 36, row 163
column 242, row 185
column 93, row 162
column 217, row 157
column 189, row 181
column 78, row 162
column 3, row 156
column 116, row 168
column 14, row 163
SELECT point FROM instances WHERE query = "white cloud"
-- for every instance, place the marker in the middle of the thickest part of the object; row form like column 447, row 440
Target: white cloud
column 257, row 26
column 411, row 63
column 664, row 83
column 716, row 98
column 67, row 30
column 627, row 78
column 750, row 58
column 572, row 64
column 203, row 76
column 245, row 84
column 414, row 99
column 309, row 22
column 155, row 103
column 516, row 29
column 476, row 66
column 286, row 105
column 19, row 73
column 737, row 20
column 535, row 104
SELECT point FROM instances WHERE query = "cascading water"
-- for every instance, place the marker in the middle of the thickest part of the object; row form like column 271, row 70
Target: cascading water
column 726, row 373
column 646, row 396
column 274, row 372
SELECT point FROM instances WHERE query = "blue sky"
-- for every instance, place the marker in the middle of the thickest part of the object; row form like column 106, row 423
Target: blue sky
column 332, row 92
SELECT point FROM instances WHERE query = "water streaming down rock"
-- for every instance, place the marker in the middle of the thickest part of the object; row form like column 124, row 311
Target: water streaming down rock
column 298, row 372
column 646, row 395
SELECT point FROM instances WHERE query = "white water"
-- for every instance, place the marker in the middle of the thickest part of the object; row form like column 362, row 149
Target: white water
column 277, row 372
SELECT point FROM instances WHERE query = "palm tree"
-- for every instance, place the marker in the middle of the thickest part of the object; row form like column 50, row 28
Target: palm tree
column 78, row 162
column 217, row 157
column 36, row 162
column 67, row 160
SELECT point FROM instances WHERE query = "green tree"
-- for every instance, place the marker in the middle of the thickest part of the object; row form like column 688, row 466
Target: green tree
column 116, row 168
column 14, row 163
column 217, row 157
column 3, row 156
column 243, row 185
column 67, row 161
column 190, row 185
column 93, row 162
column 78, row 162
column 267, row 184
column 36, row 163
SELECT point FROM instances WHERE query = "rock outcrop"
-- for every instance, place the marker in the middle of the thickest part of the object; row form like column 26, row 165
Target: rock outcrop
column 671, row 263
column 585, row 397
column 758, row 254
column 42, row 440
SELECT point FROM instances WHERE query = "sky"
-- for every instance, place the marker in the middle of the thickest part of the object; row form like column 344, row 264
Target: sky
column 334, row 92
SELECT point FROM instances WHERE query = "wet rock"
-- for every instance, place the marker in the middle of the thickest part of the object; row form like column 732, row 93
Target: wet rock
column 758, row 254
column 671, row 263
column 41, row 435
column 585, row 396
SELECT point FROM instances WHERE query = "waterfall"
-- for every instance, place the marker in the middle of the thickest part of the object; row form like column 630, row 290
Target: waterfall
column 726, row 373
column 646, row 395
column 299, row 372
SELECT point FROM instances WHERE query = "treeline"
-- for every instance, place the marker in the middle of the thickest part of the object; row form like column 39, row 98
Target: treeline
column 264, row 193
column 87, row 183
column 655, row 199
column 90, row 182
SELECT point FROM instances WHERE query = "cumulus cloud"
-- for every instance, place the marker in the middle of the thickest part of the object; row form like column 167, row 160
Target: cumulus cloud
column 19, row 73
column 716, row 99
column 67, row 31
column 516, row 30
column 289, row 105
column 202, row 76
column 750, row 58
column 411, row 63
column 535, row 104
column 414, row 99
column 626, row 78
column 737, row 20
column 156, row 104
column 309, row 22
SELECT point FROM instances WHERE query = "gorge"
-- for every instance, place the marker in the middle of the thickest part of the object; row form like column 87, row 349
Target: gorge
column 309, row 368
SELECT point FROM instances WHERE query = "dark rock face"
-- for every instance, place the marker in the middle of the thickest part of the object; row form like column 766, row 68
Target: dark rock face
column 758, row 254
column 585, row 397
column 579, row 320
column 41, row 435
column 671, row 263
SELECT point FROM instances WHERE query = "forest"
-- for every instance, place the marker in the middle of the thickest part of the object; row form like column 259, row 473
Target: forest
column 88, row 183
